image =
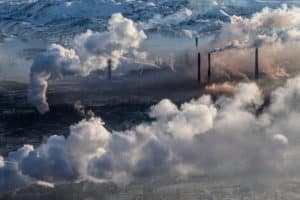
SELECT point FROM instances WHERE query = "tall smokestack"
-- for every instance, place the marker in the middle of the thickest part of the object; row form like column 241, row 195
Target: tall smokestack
column 256, row 64
column 196, row 42
column 209, row 68
column 199, row 68
column 109, row 63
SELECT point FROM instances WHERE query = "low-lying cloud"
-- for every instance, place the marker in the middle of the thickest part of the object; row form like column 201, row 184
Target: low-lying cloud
column 227, row 137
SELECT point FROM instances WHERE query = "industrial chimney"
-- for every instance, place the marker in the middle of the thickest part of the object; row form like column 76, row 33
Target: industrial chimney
column 199, row 68
column 256, row 63
column 109, row 63
column 209, row 68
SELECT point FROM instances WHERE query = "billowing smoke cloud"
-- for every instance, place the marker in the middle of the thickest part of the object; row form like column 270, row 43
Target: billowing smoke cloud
column 122, row 38
column 227, row 137
column 91, row 52
column 10, row 175
column 267, row 27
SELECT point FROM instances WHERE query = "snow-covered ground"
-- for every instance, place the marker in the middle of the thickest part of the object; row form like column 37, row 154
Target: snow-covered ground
column 58, row 19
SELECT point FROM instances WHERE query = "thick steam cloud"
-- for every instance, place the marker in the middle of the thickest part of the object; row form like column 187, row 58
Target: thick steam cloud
column 200, row 137
column 267, row 27
column 91, row 52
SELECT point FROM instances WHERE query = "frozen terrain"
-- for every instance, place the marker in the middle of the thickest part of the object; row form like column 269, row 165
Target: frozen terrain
column 151, row 132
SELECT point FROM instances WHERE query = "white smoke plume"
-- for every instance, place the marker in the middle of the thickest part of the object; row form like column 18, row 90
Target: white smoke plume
column 55, row 63
column 199, row 137
column 122, row 38
column 91, row 52
column 267, row 27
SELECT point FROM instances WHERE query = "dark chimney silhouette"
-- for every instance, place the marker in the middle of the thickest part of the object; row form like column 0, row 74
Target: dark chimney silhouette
column 199, row 68
column 209, row 68
column 109, row 63
column 256, row 63
column 196, row 42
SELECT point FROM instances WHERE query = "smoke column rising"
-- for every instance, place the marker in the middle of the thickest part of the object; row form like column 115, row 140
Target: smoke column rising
column 274, row 31
column 91, row 52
